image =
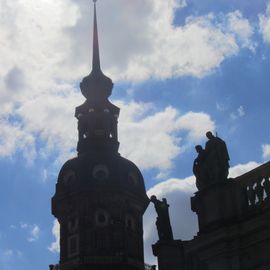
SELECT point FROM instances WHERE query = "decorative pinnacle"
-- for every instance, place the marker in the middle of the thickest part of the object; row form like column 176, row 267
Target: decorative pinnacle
column 96, row 58
column 96, row 85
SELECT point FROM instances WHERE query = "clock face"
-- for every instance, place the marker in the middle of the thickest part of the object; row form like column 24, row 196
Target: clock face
column 69, row 177
column 100, row 172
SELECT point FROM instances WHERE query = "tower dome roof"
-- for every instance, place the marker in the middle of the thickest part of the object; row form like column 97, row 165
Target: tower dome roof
column 101, row 172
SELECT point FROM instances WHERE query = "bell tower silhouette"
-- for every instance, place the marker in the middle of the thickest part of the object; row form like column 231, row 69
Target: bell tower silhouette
column 100, row 196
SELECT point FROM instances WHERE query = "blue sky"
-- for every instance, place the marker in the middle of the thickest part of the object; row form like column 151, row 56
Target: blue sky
column 180, row 68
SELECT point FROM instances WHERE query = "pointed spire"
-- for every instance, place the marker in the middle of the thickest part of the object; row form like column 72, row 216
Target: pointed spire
column 96, row 58
column 96, row 85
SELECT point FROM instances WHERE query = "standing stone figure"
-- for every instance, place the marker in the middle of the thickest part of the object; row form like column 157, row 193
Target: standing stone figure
column 163, row 220
column 199, row 168
column 217, row 158
column 212, row 163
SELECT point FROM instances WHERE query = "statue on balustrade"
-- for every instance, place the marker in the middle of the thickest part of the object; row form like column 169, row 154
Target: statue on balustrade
column 212, row 163
column 163, row 220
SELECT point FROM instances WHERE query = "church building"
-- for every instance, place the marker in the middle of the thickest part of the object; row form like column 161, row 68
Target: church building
column 100, row 196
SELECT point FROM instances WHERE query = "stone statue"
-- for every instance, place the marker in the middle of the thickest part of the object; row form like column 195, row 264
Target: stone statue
column 199, row 168
column 217, row 158
column 163, row 220
column 212, row 163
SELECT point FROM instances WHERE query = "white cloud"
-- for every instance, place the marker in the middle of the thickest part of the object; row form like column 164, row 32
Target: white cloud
column 241, row 28
column 45, row 46
column 44, row 175
column 13, row 138
column 55, row 246
column 24, row 225
column 8, row 253
column 195, row 49
column 266, row 150
column 157, row 48
column 47, row 41
column 264, row 21
column 197, row 124
column 240, row 169
column 34, row 233
column 140, row 139
column 221, row 107
column 240, row 112
column 32, row 46
column 143, row 131
column 51, row 119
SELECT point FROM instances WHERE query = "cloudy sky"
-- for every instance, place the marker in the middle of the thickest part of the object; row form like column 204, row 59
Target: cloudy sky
column 180, row 68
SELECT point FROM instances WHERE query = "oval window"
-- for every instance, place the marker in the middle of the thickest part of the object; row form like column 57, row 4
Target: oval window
column 101, row 218
column 100, row 172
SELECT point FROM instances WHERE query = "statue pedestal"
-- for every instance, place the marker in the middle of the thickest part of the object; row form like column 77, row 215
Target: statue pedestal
column 170, row 254
column 219, row 205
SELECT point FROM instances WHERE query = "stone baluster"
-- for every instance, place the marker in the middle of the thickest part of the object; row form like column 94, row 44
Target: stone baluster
column 266, row 186
column 251, row 194
column 259, row 190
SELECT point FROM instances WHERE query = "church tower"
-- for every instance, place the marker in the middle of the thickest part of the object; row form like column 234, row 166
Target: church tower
column 100, row 196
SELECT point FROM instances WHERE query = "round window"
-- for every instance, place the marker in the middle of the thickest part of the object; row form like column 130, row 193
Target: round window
column 100, row 172
column 101, row 218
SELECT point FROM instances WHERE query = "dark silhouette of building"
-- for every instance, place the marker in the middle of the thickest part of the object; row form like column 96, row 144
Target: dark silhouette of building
column 100, row 196
column 234, row 224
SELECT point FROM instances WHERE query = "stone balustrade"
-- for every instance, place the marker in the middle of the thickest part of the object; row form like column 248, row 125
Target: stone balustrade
column 256, row 184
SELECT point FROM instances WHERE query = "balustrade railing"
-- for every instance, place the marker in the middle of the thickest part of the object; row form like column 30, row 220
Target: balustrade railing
column 256, row 185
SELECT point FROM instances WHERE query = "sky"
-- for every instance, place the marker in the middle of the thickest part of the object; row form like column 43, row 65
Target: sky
column 180, row 68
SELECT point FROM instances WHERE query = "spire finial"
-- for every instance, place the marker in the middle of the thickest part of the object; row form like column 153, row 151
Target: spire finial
column 96, row 85
column 96, row 58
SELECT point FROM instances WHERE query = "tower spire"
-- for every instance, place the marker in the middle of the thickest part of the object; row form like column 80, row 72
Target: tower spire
column 96, row 85
column 96, row 57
